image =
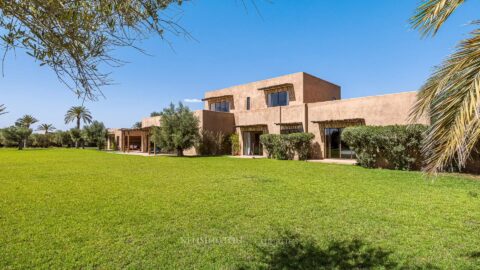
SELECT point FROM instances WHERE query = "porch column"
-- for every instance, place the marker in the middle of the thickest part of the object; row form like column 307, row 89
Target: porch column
column 108, row 142
column 128, row 142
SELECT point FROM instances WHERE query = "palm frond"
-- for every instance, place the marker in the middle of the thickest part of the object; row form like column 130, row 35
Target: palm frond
column 431, row 15
column 451, row 97
column 2, row 109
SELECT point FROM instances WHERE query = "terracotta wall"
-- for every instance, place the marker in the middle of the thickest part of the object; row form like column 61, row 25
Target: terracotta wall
column 317, row 90
column 375, row 110
column 151, row 121
column 258, row 97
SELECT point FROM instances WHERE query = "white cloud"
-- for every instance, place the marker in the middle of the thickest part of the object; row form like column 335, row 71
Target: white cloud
column 192, row 100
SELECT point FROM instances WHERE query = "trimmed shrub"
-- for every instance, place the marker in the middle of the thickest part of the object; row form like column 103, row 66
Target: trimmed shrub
column 301, row 143
column 394, row 147
column 268, row 142
column 235, row 142
column 285, row 146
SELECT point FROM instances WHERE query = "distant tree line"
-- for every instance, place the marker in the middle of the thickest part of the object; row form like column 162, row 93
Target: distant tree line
column 93, row 133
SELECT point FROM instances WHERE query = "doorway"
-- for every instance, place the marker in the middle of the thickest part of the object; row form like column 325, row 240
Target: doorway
column 251, row 143
column 335, row 147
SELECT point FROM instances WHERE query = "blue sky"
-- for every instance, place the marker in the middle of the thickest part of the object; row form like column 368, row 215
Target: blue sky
column 366, row 47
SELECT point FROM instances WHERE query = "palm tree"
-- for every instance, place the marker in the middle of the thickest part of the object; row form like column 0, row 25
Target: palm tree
column 78, row 113
column 451, row 96
column 26, row 121
column 2, row 109
column 46, row 128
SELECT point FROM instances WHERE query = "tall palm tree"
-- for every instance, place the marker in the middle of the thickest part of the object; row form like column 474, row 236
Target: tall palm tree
column 2, row 109
column 451, row 96
column 78, row 113
column 46, row 128
column 26, row 121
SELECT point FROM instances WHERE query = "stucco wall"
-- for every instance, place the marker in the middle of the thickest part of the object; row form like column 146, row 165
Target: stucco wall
column 151, row 121
column 317, row 90
column 383, row 110
column 258, row 97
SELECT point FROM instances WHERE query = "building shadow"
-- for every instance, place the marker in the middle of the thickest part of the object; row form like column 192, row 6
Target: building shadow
column 292, row 251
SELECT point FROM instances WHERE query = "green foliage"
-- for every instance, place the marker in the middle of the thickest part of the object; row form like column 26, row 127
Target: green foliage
column 285, row 146
column 153, row 114
column 76, row 38
column 95, row 134
column 235, row 143
column 212, row 143
column 178, row 129
column 137, row 125
column 75, row 136
column 41, row 140
column 301, row 143
column 26, row 121
column 62, row 139
column 16, row 136
column 78, row 113
column 395, row 147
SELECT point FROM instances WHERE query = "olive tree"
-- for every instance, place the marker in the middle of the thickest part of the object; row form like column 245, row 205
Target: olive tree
column 178, row 129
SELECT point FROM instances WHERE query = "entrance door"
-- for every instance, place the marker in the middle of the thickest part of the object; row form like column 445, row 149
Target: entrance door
column 335, row 147
column 251, row 143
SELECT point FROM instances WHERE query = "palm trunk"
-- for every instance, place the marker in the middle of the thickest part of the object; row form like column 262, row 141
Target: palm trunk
column 78, row 122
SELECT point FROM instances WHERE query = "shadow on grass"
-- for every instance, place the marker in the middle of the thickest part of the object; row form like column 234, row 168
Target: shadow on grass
column 291, row 251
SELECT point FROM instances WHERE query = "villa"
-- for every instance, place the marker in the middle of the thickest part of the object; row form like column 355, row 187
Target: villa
column 296, row 102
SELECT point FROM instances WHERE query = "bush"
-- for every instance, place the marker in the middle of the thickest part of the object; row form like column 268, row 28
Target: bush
column 212, row 143
column 394, row 147
column 235, row 143
column 284, row 146
column 301, row 143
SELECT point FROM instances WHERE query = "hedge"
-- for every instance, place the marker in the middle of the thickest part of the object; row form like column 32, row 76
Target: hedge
column 285, row 146
column 394, row 147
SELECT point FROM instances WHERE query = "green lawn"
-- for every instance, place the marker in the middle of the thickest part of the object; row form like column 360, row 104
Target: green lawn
column 88, row 209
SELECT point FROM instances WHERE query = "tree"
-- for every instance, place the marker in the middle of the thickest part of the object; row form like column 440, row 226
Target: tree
column 78, row 113
column 25, row 121
column 76, row 38
column 451, row 96
column 178, row 129
column 137, row 125
column 153, row 114
column 75, row 135
column 17, row 134
column 46, row 128
column 2, row 109
column 155, row 137
column 96, row 134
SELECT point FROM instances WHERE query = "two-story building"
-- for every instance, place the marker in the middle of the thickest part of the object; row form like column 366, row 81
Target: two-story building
column 296, row 102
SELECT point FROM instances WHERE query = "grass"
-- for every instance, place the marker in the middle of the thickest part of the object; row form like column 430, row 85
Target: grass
column 64, row 208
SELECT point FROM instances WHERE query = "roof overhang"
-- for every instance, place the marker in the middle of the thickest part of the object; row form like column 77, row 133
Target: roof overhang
column 217, row 97
column 256, row 125
column 289, row 124
column 277, row 86
column 338, row 123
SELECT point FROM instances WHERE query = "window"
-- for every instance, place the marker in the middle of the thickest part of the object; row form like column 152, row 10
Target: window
column 335, row 147
column 278, row 99
column 248, row 103
column 223, row 106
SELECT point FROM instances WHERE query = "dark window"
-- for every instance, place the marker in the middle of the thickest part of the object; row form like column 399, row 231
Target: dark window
column 223, row 106
column 278, row 99
column 335, row 147
column 248, row 103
